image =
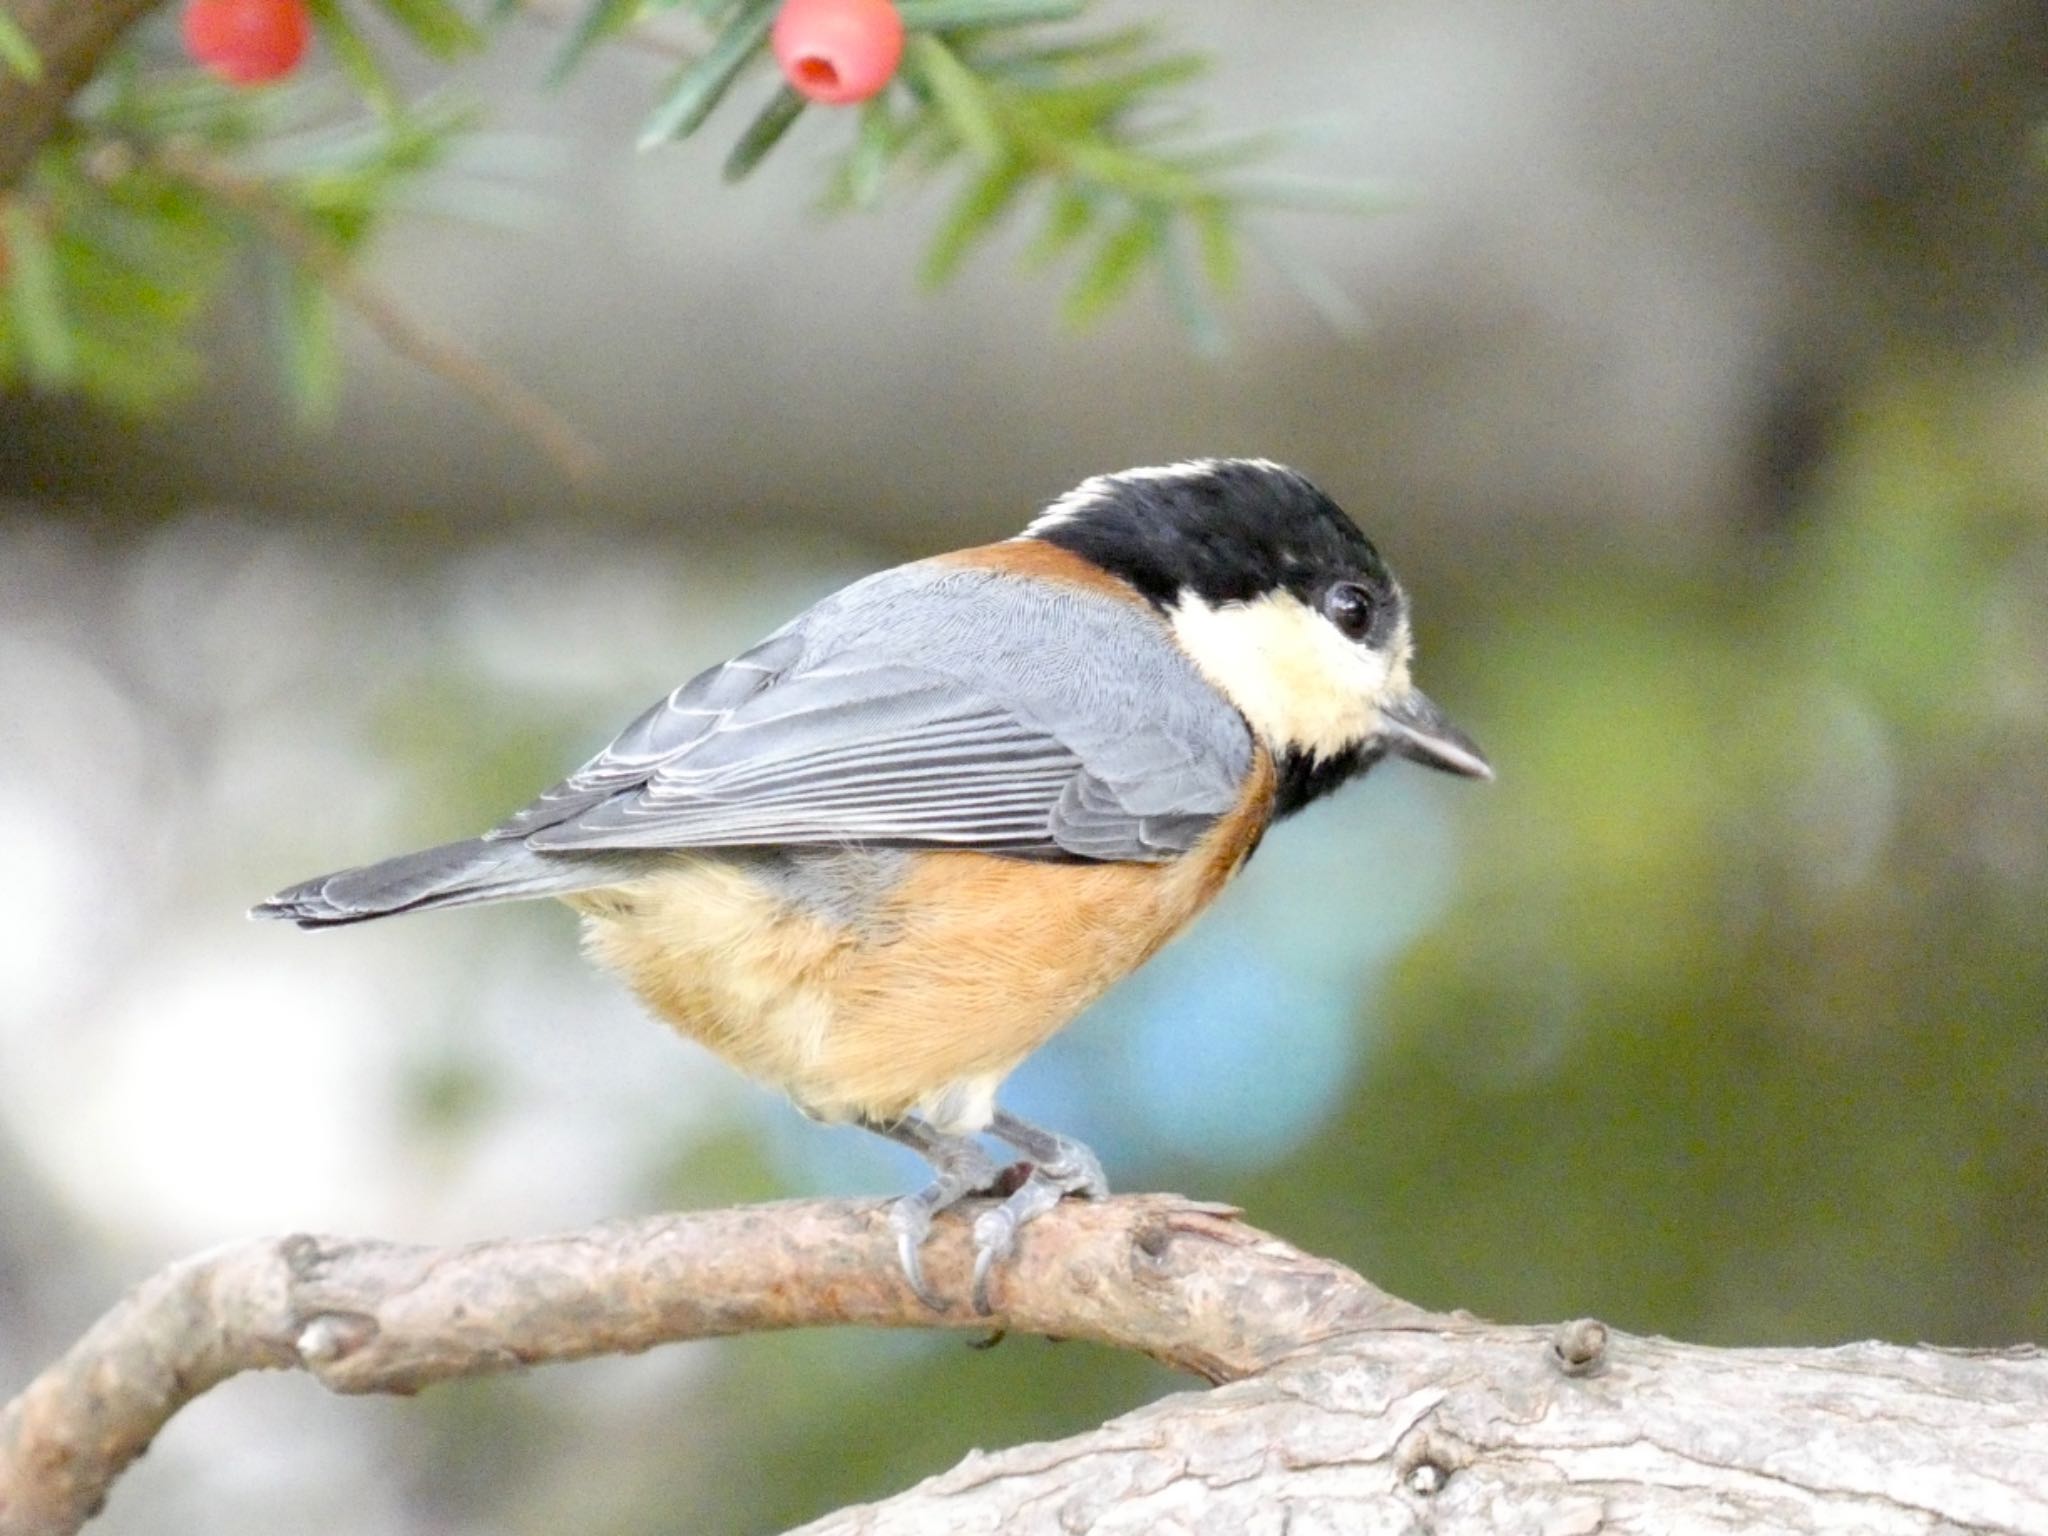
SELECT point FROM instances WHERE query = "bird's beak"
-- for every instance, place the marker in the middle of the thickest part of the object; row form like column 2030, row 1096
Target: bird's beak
column 1417, row 729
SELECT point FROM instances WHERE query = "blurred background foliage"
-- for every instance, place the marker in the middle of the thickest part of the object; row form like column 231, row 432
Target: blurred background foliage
column 1701, row 402
column 123, row 234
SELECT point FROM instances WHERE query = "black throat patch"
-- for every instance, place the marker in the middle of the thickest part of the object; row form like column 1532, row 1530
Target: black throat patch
column 1303, row 777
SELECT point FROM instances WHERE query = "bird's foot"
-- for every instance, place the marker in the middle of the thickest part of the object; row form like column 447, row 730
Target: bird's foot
column 962, row 1169
column 1062, row 1166
column 1059, row 1166
column 1067, row 1162
column 996, row 1229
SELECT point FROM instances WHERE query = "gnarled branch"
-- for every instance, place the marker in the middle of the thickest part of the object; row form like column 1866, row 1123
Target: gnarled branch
column 1478, row 1432
column 1347, row 1408
column 1182, row 1282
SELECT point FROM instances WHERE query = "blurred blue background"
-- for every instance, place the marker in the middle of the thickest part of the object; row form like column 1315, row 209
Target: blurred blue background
column 1698, row 395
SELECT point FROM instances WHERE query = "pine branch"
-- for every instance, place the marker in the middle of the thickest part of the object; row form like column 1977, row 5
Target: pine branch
column 411, row 338
column 587, row 25
column 69, row 39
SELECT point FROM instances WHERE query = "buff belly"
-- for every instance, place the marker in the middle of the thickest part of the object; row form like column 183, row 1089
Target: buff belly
column 874, row 985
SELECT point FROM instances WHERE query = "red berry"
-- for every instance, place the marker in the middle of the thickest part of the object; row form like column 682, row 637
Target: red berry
column 838, row 51
column 247, row 41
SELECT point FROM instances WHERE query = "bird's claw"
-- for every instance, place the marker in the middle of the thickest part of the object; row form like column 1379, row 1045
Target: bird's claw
column 1077, row 1171
column 995, row 1239
column 961, row 1167
column 1059, row 1166
column 910, row 1218
column 996, row 1229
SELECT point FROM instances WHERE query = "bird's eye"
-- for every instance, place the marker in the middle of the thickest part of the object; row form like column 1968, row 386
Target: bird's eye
column 1350, row 607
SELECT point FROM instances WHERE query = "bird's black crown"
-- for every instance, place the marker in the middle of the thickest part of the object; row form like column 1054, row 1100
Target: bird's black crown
column 1227, row 530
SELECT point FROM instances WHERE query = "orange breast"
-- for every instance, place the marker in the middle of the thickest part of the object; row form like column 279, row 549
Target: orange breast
column 967, row 965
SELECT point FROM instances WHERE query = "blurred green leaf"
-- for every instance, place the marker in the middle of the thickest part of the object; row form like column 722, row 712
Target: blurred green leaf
column 702, row 85
column 1116, row 266
column 600, row 20
column 17, row 52
column 1050, row 63
column 1067, row 219
column 764, row 133
column 1216, row 238
column 438, row 26
column 1183, row 282
column 137, row 258
column 134, row 247
column 984, row 200
column 303, row 317
column 1136, row 175
column 867, row 166
column 960, row 95
column 35, row 292
column 1075, row 106
column 1081, row 118
column 949, row 15
column 357, row 58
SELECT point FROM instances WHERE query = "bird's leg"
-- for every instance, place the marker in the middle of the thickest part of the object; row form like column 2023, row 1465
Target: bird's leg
column 1062, row 1159
column 1061, row 1166
column 961, row 1167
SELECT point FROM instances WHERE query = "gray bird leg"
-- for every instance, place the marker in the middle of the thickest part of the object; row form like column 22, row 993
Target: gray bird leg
column 1061, row 1166
column 1062, row 1159
column 962, row 1169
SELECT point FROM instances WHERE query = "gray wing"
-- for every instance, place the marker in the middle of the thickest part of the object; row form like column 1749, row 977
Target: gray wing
column 930, row 706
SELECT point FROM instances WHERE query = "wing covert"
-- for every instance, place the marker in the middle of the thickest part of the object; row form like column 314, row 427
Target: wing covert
column 929, row 706
column 660, row 733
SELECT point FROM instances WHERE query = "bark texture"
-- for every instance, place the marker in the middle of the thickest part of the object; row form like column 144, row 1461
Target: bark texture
column 1183, row 1282
column 1471, row 1431
column 1348, row 1408
column 70, row 37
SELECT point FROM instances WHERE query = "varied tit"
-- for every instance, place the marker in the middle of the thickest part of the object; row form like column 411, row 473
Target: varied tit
column 881, row 857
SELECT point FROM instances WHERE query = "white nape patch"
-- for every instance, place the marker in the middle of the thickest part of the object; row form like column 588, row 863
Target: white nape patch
column 1088, row 494
column 1099, row 490
column 1290, row 672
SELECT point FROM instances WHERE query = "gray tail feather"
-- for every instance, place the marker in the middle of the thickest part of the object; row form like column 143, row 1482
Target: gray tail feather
column 453, row 875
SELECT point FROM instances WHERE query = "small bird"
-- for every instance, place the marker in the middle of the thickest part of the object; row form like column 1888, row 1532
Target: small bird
column 884, row 855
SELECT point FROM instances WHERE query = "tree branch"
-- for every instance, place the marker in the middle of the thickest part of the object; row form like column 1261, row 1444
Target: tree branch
column 1346, row 1409
column 558, row 439
column 70, row 38
column 1478, row 1432
column 1181, row 1282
